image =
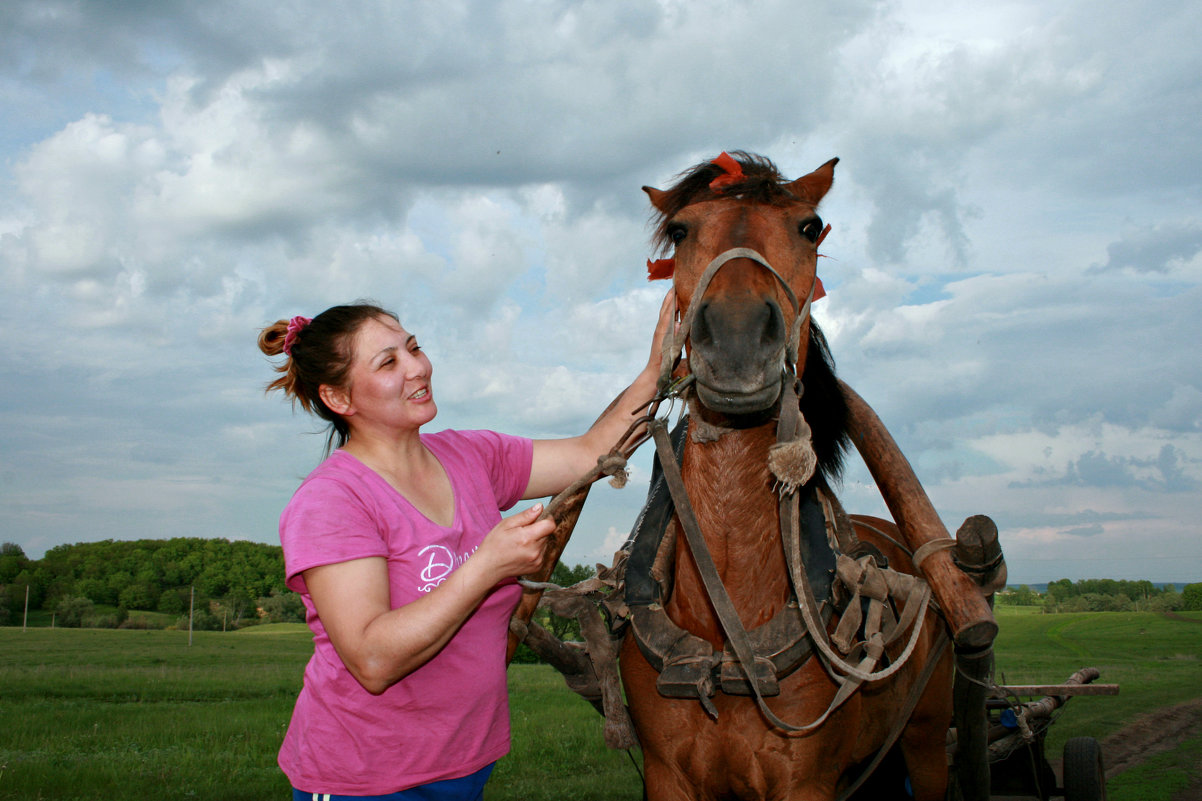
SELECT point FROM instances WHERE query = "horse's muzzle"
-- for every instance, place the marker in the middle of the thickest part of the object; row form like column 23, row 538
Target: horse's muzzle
column 737, row 352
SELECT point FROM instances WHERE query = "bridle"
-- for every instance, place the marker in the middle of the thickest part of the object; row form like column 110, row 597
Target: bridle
column 673, row 342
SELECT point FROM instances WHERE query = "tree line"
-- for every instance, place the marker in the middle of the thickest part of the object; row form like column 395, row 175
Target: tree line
column 1105, row 595
column 221, row 584
column 231, row 584
column 97, row 584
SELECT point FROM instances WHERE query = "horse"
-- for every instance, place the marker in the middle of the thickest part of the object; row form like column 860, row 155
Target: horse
column 744, row 241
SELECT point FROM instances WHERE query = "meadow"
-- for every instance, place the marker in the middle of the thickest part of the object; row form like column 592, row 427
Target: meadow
column 91, row 714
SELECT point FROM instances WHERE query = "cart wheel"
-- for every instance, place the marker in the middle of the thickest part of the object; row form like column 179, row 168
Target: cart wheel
column 1084, row 778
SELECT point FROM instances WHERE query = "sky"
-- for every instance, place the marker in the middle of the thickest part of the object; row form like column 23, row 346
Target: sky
column 1014, row 268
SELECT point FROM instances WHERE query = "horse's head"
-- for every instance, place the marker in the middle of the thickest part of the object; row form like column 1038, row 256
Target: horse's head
column 748, row 312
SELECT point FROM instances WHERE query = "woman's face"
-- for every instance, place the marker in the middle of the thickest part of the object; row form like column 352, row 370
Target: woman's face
column 388, row 386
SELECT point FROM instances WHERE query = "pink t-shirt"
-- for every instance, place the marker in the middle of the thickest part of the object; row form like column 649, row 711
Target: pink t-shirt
column 450, row 717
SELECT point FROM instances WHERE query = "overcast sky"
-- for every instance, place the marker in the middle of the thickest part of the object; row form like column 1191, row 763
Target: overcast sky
column 1014, row 271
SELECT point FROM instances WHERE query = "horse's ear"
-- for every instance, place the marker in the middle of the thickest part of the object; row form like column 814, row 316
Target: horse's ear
column 659, row 198
column 811, row 188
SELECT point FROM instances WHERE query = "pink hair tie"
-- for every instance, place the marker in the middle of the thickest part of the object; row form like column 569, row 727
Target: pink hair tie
column 295, row 326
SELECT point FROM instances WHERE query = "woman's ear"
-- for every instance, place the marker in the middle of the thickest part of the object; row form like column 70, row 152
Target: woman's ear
column 336, row 399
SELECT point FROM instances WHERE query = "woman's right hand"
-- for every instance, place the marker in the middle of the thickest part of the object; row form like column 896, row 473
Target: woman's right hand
column 516, row 545
column 380, row 645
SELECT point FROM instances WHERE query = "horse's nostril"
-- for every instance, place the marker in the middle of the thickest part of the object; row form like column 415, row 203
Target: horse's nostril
column 702, row 332
column 774, row 326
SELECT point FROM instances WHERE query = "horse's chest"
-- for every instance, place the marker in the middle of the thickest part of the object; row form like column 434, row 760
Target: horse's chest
column 737, row 756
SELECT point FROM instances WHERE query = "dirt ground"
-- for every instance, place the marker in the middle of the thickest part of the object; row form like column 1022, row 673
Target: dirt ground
column 1153, row 733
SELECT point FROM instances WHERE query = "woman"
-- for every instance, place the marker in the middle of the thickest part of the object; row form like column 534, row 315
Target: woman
column 397, row 546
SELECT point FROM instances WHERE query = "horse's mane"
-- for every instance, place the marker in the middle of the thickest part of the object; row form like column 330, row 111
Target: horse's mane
column 762, row 183
column 824, row 406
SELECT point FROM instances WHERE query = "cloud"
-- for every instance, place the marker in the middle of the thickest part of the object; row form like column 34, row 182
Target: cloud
column 1158, row 249
column 1013, row 269
column 1168, row 471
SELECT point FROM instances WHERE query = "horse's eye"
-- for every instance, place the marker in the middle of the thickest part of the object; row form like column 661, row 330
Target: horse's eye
column 677, row 233
column 811, row 229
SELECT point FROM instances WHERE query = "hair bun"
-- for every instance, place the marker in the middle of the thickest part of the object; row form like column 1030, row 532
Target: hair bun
column 271, row 338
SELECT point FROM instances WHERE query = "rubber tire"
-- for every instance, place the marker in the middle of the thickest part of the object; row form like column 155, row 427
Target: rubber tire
column 1084, row 777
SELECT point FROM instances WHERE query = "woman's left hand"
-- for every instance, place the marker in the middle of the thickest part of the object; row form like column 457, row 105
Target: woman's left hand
column 667, row 321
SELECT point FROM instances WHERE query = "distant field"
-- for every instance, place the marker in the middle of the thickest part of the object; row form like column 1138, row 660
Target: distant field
column 1156, row 661
column 90, row 714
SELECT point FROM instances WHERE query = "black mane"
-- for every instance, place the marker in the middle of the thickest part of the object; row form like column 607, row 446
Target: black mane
column 824, row 407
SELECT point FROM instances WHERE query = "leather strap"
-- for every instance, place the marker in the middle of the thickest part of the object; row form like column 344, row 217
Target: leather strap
column 728, row 616
column 926, row 549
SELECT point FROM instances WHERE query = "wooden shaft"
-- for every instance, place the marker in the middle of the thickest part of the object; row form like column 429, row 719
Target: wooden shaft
column 973, row 672
column 566, row 511
column 967, row 613
column 1060, row 690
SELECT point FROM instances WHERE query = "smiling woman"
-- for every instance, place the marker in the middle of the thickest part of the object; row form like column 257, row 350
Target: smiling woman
column 406, row 568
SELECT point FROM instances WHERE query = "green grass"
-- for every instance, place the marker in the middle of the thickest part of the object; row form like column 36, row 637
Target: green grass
column 1162, row 777
column 88, row 714
column 558, row 748
column 101, row 713
column 1154, row 660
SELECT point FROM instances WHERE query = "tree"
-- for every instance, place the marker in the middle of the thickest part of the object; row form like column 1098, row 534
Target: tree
column 1060, row 590
column 1168, row 601
column 94, row 589
column 136, row 596
column 1023, row 596
column 171, row 602
column 282, row 607
column 12, row 602
column 72, row 610
column 117, row 582
column 1191, row 597
column 12, row 561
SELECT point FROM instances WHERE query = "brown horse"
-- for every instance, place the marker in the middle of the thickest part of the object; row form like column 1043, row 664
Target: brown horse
column 738, row 353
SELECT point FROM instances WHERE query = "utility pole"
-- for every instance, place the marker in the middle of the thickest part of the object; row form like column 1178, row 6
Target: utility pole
column 191, row 607
column 25, row 619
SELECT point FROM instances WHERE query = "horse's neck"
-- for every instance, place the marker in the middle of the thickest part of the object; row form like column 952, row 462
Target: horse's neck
column 731, row 490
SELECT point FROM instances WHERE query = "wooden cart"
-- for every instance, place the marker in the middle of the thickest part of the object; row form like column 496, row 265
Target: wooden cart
column 1018, row 765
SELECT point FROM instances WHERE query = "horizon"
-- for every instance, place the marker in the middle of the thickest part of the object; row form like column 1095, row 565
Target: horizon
column 1009, row 581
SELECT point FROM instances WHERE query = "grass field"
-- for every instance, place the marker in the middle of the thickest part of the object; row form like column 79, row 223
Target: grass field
column 93, row 714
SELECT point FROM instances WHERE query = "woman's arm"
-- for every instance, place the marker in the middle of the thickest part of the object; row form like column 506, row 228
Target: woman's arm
column 559, row 462
column 379, row 645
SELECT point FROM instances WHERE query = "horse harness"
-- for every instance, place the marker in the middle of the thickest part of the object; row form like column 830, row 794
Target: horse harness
column 824, row 559
column 688, row 665
column 850, row 576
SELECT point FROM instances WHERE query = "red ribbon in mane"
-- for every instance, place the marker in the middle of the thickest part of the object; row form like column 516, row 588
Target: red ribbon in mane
column 733, row 170
column 665, row 268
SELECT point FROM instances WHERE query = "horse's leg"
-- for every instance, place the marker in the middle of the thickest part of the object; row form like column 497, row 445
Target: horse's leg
column 663, row 733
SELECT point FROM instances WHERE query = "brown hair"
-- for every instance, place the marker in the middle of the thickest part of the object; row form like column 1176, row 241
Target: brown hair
column 320, row 354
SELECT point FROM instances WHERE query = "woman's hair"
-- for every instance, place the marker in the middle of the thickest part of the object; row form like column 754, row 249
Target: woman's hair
column 318, row 352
